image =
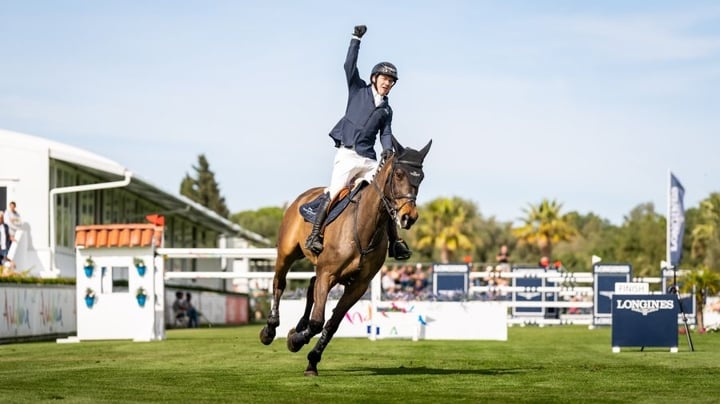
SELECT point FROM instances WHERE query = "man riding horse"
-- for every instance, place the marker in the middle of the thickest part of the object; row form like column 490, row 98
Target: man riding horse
column 367, row 114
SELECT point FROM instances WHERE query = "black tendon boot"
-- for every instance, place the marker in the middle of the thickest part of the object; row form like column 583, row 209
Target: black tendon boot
column 397, row 248
column 314, row 241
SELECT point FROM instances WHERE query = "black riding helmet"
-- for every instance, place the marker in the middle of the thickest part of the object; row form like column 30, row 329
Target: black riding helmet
column 385, row 68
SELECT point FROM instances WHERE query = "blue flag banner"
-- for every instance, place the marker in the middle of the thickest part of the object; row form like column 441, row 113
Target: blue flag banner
column 676, row 221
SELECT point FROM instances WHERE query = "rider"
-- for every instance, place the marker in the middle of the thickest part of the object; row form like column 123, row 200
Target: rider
column 367, row 114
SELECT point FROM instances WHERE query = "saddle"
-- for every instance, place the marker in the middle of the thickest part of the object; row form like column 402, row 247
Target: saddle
column 309, row 210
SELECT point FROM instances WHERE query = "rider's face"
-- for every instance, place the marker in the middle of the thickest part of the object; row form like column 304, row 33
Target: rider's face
column 383, row 84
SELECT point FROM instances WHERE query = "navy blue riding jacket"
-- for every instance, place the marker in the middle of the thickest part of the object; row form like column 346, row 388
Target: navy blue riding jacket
column 362, row 121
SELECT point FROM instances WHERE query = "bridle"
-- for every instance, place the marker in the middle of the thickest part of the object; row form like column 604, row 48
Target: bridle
column 389, row 202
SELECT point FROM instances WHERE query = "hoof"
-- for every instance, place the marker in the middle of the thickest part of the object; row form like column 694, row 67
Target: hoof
column 267, row 335
column 311, row 372
column 294, row 341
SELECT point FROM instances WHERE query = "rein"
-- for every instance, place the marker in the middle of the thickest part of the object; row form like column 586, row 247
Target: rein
column 386, row 201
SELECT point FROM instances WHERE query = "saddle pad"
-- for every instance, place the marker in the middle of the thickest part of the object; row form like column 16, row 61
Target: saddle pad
column 309, row 210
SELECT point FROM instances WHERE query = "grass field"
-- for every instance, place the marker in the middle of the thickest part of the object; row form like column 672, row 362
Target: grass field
column 551, row 364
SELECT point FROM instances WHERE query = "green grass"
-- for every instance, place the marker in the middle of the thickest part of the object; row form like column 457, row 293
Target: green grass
column 551, row 364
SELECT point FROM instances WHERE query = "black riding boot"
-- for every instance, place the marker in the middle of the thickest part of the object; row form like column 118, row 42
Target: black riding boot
column 314, row 241
column 397, row 248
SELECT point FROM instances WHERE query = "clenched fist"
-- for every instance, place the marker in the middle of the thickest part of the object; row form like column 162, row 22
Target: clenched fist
column 359, row 31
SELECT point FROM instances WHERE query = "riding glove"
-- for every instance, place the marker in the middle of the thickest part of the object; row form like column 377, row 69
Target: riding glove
column 359, row 31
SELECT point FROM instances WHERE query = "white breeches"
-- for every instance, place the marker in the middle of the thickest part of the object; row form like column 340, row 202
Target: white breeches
column 348, row 167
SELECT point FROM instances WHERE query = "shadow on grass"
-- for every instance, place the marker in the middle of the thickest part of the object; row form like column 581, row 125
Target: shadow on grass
column 402, row 370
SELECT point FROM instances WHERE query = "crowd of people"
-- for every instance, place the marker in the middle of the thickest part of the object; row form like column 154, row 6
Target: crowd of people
column 414, row 281
column 405, row 281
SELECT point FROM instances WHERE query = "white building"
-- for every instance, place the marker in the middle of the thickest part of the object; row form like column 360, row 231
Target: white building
column 57, row 187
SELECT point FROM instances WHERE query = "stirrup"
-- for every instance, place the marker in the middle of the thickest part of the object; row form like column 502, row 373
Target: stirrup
column 399, row 250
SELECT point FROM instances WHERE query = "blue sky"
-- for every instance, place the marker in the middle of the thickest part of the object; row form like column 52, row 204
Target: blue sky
column 588, row 103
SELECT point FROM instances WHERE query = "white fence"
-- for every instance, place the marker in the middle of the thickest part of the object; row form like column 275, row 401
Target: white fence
column 571, row 294
column 35, row 310
column 482, row 313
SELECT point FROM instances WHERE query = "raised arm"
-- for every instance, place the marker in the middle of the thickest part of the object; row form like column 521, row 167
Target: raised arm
column 351, row 71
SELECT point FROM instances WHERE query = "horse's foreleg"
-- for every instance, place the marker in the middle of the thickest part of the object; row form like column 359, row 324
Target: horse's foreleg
column 303, row 323
column 351, row 295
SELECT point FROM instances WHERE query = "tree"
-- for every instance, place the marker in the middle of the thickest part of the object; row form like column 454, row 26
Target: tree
column 203, row 188
column 544, row 226
column 706, row 232
column 595, row 236
column 706, row 283
column 641, row 240
column 265, row 221
column 490, row 235
column 442, row 228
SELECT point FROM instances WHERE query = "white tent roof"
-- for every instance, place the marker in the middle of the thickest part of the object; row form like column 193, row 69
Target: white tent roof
column 111, row 171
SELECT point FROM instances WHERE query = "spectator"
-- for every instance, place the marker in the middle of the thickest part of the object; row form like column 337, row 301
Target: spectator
column 179, row 308
column 406, row 281
column 503, row 257
column 12, row 217
column 493, row 279
column 503, row 265
column 192, row 313
column 544, row 262
column 420, row 280
column 388, row 281
column 4, row 240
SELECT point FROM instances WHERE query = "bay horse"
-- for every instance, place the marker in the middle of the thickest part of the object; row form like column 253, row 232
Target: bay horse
column 356, row 244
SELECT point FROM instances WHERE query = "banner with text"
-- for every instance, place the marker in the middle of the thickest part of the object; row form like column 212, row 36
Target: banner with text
column 676, row 221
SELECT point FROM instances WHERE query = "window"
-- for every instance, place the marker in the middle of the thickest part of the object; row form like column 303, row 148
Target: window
column 113, row 280
column 63, row 176
column 86, row 209
column 116, row 205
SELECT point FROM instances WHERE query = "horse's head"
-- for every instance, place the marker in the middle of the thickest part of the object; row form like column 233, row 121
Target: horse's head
column 403, row 182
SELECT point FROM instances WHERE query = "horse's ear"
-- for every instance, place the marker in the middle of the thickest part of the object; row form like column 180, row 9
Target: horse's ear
column 396, row 145
column 424, row 151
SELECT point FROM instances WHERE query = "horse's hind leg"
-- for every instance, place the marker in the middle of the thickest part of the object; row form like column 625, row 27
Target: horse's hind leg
column 267, row 334
column 352, row 294
column 302, row 324
column 282, row 266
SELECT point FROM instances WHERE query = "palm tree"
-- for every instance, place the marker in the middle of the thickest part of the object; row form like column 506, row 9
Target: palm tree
column 706, row 233
column 706, row 283
column 544, row 226
column 442, row 227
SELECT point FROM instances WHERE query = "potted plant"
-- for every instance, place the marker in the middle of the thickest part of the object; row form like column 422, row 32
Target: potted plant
column 89, row 266
column 141, row 296
column 139, row 265
column 89, row 297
